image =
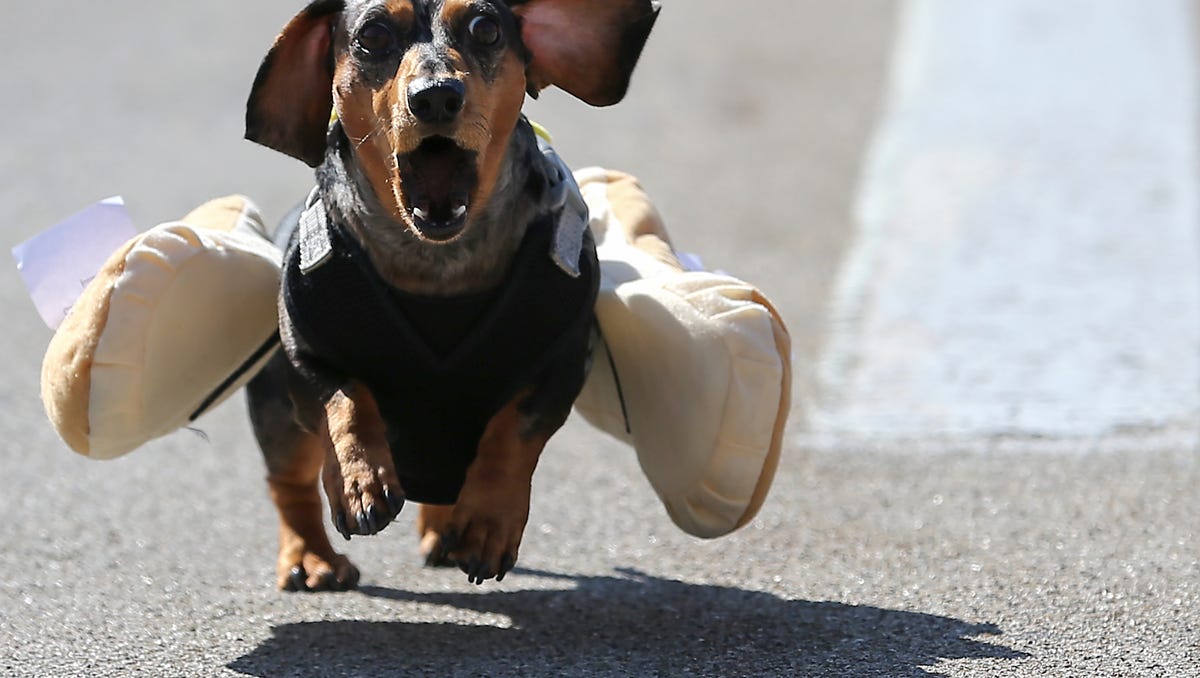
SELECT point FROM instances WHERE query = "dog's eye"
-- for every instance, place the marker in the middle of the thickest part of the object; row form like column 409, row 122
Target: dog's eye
column 375, row 39
column 484, row 30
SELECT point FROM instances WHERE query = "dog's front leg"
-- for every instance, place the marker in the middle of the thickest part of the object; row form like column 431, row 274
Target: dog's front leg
column 359, row 475
column 489, row 518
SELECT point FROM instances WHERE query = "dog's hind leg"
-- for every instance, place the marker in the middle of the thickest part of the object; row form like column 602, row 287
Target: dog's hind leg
column 433, row 523
column 294, row 458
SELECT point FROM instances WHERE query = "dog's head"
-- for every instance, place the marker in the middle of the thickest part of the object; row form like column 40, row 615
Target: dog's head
column 429, row 92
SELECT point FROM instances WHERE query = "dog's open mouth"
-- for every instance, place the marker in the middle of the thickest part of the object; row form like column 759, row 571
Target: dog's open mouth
column 437, row 180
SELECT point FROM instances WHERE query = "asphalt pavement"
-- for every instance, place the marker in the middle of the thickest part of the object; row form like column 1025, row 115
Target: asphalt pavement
column 998, row 555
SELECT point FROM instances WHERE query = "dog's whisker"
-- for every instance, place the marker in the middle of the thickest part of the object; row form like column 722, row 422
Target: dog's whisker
column 359, row 142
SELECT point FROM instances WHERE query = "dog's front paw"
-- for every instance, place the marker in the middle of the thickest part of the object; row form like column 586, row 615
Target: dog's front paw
column 359, row 475
column 484, row 534
column 364, row 497
column 488, row 521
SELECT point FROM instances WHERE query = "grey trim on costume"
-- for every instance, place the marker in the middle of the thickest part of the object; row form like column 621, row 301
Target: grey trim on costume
column 567, row 199
column 315, row 247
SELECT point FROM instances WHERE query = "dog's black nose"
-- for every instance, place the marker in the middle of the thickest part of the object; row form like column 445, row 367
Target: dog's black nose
column 436, row 100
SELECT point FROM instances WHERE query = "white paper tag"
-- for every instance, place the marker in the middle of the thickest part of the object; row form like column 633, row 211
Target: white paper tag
column 690, row 261
column 59, row 262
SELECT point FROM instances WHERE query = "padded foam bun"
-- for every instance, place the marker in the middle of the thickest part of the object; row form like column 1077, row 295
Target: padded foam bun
column 178, row 318
column 695, row 369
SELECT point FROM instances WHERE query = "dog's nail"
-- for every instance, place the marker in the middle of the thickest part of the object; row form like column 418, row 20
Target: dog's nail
column 506, row 564
column 296, row 580
column 341, row 525
column 350, row 581
column 440, row 556
column 395, row 504
column 361, row 519
column 374, row 520
column 326, row 582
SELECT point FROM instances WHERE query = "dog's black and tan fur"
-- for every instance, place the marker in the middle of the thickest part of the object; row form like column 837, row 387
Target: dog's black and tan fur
column 431, row 169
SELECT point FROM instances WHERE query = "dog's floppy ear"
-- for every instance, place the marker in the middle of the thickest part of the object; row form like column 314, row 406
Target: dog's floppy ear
column 586, row 47
column 292, row 97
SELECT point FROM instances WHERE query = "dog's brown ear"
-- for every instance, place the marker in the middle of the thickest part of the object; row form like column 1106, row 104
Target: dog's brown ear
column 292, row 97
column 586, row 47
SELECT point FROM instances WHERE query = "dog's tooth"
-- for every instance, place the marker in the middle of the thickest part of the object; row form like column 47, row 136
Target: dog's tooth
column 421, row 214
column 459, row 211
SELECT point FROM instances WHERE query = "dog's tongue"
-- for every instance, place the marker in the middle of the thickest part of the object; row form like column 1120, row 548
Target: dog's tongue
column 438, row 172
column 443, row 174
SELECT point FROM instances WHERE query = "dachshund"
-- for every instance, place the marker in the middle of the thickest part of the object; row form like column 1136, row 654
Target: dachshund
column 436, row 306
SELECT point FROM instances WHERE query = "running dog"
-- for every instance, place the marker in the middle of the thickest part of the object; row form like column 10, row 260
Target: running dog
column 435, row 312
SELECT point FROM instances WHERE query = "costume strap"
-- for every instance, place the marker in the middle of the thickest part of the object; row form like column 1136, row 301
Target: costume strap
column 566, row 199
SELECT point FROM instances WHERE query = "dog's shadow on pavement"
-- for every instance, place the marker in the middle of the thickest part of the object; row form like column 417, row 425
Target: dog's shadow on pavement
column 631, row 624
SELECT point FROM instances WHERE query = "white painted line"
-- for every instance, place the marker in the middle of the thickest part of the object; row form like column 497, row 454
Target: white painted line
column 1027, row 259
